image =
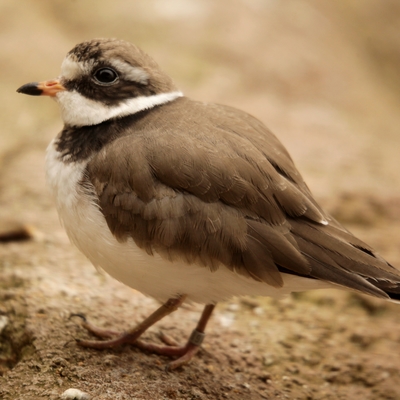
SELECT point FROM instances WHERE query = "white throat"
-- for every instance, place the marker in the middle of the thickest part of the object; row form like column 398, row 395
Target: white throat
column 77, row 110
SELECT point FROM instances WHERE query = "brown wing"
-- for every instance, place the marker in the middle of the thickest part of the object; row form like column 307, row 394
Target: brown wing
column 212, row 185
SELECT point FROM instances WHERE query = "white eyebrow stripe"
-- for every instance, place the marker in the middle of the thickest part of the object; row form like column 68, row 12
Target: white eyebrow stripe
column 130, row 73
column 71, row 69
column 78, row 110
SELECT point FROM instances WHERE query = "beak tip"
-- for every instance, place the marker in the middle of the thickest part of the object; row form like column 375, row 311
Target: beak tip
column 31, row 89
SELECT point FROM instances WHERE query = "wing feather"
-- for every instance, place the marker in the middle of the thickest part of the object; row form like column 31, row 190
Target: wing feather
column 225, row 193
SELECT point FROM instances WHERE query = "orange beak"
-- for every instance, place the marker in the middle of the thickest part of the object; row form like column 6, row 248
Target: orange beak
column 47, row 88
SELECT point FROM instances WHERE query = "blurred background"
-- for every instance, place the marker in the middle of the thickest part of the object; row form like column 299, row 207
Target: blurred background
column 322, row 75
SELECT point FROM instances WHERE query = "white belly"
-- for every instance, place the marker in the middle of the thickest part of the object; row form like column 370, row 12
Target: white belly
column 151, row 275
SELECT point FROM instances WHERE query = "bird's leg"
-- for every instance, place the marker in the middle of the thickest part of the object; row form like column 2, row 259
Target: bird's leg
column 171, row 348
column 186, row 352
column 131, row 335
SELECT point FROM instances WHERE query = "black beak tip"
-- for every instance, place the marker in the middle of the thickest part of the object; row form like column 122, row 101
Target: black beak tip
column 31, row 89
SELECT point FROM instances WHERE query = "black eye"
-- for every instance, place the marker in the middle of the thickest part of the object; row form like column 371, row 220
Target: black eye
column 105, row 76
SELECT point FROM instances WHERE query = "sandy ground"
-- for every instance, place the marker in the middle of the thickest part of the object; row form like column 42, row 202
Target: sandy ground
column 323, row 77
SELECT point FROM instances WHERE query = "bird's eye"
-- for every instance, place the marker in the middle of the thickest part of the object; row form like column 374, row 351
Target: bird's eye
column 105, row 76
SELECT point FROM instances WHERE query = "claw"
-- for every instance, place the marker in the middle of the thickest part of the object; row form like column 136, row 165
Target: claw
column 80, row 315
column 185, row 358
column 167, row 369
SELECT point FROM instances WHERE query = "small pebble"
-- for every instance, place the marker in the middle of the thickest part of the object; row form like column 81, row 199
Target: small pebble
column 226, row 319
column 233, row 307
column 3, row 322
column 74, row 394
column 258, row 311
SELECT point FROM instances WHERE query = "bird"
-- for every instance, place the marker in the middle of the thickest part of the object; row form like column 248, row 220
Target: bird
column 186, row 201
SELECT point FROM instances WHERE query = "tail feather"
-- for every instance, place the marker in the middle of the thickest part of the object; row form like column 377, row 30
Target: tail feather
column 395, row 297
column 336, row 256
column 390, row 288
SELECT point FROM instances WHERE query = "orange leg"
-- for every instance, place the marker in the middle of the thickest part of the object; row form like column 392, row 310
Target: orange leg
column 185, row 353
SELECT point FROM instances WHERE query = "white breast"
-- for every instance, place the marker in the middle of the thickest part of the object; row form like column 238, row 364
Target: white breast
column 151, row 275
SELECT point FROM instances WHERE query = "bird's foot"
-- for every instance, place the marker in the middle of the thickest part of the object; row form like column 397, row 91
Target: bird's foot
column 172, row 349
column 96, row 331
column 114, row 338
column 131, row 336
